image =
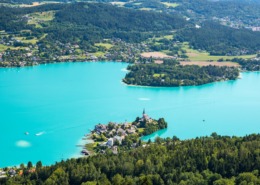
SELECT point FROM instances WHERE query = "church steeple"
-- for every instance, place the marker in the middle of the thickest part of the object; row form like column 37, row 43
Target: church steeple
column 144, row 112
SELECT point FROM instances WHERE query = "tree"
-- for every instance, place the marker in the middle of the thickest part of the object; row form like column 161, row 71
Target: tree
column 38, row 165
column 224, row 182
column 59, row 176
column 117, row 180
column 247, row 178
column 29, row 165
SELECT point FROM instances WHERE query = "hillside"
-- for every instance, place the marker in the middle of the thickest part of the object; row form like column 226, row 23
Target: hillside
column 48, row 32
column 214, row 160
column 221, row 40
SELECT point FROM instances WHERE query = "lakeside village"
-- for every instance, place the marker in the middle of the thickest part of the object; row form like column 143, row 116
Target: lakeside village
column 112, row 137
column 121, row 136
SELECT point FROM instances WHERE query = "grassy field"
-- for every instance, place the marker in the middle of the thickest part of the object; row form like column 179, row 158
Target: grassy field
column 24, row 40
column 173, row 5
column 38, row 17
column 99, row 54
column 168, row 37
column 195, row 55
column 106, row 45
column 4, row 47
column 203, row 63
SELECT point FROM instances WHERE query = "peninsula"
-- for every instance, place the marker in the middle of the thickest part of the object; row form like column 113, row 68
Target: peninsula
column 171, row 74
column 123, row 136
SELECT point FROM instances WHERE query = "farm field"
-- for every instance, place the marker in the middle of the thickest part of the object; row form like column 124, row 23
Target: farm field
column 203, row 63
column 195, row 55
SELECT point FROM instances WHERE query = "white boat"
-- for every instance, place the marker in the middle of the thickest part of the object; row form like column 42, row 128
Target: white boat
column 26, row 133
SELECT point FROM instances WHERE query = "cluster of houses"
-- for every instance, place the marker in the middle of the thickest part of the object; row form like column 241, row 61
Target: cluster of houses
column 12, row 172
column 115, row 133
column 3, row 174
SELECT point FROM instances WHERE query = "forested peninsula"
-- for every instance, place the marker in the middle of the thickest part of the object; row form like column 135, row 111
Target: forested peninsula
column 214, row 160
column 171, row 74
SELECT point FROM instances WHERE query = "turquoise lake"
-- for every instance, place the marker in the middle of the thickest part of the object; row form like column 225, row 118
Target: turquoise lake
column 59, row 103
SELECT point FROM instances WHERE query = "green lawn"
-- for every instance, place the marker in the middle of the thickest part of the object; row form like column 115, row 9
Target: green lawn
column 106, row 45
column 168, row 37
column 195, row 55
column 140, row 130
column 156, row 75
column 4, row 47
column 24, row 40
column 99, row 54
column 37, row 17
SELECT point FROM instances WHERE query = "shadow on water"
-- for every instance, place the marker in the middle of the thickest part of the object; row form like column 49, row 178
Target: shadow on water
column 154, row 135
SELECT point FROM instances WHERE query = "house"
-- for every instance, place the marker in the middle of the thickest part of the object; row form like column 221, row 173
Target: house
column 114, row 150
column 2, row 174
column 110, row 142
column 121, row 131
column 12, row 172
column 117, row 138
column 131, row 130
column 100, row 128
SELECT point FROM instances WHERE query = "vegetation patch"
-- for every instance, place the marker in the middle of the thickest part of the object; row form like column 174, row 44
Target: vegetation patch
column 170, row 74
column 105, row 45
column 196, row 55
column 203, row 63
column 38, row 18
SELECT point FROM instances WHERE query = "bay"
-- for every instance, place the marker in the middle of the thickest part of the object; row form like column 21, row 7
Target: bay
column 58, row 103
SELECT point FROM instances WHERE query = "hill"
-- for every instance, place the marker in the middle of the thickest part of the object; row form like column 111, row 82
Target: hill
column 214, row 160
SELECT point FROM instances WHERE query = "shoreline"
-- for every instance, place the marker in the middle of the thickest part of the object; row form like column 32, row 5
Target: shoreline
column 116, row 135
column 142, row 86
column 61, row 62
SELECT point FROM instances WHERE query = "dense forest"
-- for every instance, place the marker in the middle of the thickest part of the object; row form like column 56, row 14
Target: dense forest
column 214, row 160
column 248, row 65
column 221, row 40
column 177, row 75
column 92, row 22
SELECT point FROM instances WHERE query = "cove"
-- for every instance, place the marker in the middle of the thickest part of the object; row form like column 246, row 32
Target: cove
column 58, row 103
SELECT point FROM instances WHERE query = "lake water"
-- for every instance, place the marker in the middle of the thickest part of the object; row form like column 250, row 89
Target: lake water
column 61, row 102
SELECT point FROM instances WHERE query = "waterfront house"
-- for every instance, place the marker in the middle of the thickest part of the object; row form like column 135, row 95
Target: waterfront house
column 100, row 128
column 110, row 142
column 12, row 172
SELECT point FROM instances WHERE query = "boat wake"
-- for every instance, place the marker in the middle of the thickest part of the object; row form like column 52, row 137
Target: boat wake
column 144, row 99
column 40, row 133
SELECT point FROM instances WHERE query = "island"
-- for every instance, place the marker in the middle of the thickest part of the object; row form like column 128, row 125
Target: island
column 113, row 136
